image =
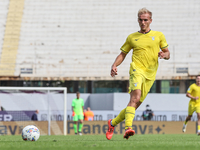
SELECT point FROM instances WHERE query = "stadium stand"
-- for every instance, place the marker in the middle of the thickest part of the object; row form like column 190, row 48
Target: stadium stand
column 11, row 38
column 79, row 40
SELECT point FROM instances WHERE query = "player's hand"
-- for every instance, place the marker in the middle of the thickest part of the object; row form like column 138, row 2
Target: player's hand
column 196, row 98
column 113, row 71
column 161, row 55
column 164, row 54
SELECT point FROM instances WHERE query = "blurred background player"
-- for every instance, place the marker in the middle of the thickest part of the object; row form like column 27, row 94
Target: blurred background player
column 148, row 113
column 193, row 92
column 89, row 115
column 1, row 107
column 34, row 116
column 77, row 113
column 146, row 45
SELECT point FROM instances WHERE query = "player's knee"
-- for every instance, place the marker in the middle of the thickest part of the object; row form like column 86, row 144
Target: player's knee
column 135, row 99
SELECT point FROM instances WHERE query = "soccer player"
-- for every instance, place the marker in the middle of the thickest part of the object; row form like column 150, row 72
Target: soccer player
column 147, row 46
column 77, row 112
column 193, row 93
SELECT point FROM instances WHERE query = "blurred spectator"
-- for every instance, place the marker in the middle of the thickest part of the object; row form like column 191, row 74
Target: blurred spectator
column 2, row 109
column 148, row 113
column 89, row 115
column 84, row 113
column 34, row 116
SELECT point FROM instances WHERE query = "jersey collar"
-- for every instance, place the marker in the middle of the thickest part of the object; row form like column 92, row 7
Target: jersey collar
column 145, row 32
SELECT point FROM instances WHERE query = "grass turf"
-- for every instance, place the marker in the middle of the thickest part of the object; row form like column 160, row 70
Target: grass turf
column 97, row 142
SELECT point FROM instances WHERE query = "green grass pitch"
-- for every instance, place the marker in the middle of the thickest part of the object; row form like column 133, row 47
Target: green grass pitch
column 99, row 142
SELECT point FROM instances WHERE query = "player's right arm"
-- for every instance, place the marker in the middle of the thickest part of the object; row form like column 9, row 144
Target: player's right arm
column 73, row 105
column 120, row 58
column 73, row 113
column 192, row 97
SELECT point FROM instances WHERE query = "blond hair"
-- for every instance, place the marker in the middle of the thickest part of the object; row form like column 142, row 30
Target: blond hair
column 144, row 11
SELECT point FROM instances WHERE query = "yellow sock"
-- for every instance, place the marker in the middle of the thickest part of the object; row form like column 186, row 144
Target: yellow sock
column 198, row 127
column 129, row 116
column 119, row 118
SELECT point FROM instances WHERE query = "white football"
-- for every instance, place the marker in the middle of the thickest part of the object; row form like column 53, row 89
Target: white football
column 30, row 133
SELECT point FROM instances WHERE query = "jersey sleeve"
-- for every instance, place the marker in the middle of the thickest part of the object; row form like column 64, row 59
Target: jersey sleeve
column 126, row 47
column 163, row 42
column 190, row 89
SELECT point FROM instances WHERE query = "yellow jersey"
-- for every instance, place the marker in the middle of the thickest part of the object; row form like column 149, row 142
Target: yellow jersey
column 145, row 52
column 194, row 90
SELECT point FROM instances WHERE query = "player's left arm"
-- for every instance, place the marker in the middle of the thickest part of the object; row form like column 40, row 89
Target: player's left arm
column 164, row 54
column 83, row 109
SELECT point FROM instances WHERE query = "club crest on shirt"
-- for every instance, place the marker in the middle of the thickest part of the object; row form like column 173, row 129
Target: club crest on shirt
column 153, row 37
